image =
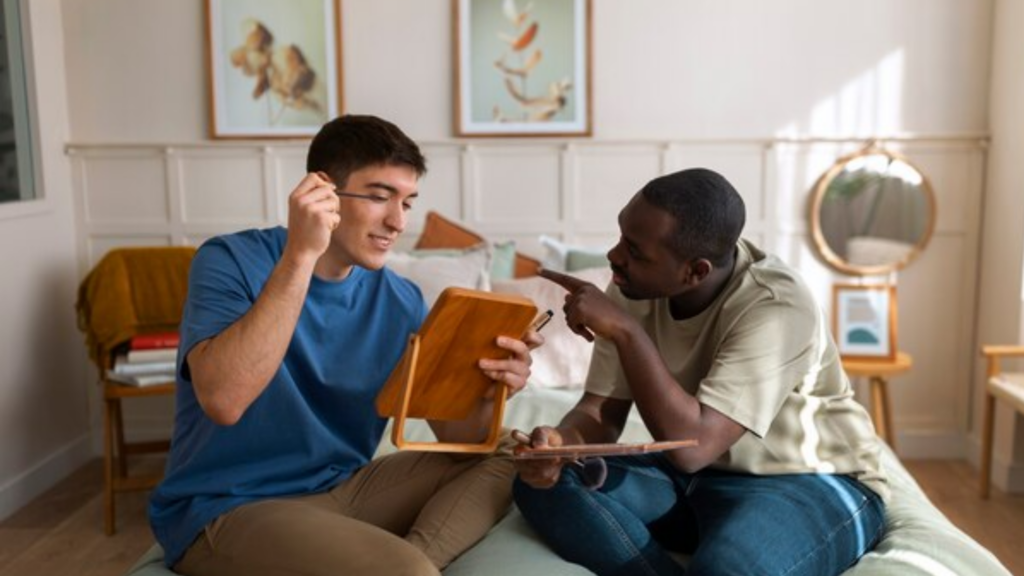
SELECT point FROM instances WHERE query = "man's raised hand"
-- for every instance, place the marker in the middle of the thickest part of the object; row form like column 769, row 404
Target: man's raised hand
column 312, row 216
column 588, row 310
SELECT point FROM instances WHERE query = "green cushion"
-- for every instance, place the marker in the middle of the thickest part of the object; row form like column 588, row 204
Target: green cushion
column 579, row 259
column 503, row 258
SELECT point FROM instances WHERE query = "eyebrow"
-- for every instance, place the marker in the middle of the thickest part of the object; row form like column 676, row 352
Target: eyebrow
column 389, row 188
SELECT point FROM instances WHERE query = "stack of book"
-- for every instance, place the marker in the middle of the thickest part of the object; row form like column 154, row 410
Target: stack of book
column 147, row 359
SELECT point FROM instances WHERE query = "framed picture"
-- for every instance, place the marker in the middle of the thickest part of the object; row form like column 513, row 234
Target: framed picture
column 864, row 320
column 274, row 67
column 522, row 67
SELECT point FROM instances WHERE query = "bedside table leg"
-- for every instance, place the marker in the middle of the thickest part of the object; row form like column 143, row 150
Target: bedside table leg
column 881, row 412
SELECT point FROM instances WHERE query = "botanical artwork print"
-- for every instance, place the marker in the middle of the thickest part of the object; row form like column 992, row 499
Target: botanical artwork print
column 273, row 58
column 283, row 71
column 522, row 60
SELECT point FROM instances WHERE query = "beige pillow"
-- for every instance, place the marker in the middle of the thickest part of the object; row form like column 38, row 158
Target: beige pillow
column 563, row 360
column 441, row 232
column 433, row 273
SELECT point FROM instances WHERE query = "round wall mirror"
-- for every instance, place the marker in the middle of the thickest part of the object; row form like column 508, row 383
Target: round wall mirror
column 872, row 212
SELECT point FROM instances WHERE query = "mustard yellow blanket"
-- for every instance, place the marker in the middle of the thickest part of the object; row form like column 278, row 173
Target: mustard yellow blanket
column 132, row 291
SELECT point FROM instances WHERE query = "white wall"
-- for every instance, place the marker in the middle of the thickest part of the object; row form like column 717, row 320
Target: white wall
column 1001, row 286
column 44, row 432
column 674, row 82
column 663, row 69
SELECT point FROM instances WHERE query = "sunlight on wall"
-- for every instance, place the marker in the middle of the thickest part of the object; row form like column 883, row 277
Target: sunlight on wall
column 868, row 104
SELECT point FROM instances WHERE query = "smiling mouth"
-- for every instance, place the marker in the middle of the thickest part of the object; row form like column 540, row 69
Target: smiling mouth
column 382, row 242
column 618, row 277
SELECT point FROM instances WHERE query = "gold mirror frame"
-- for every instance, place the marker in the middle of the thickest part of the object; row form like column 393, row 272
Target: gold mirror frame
column 821, row 244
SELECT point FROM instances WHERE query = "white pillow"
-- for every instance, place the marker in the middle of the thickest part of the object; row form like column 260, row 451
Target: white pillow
column 563, row 257
column 563, row 360
column 434, row 272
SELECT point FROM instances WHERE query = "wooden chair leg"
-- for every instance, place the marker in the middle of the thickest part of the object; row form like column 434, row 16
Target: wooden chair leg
column 987, row 434
column 119, row 454
column 108, row 466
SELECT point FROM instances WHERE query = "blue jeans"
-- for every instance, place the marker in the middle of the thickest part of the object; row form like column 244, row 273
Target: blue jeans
column 800, row 524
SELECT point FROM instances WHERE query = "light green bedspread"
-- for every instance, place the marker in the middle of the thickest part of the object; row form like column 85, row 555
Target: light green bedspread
column 919, row 540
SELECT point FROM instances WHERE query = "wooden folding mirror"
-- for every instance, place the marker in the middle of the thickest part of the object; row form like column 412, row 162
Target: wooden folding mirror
column 438, row 377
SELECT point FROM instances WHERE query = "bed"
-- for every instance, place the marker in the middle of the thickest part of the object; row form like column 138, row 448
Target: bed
column 918, row 539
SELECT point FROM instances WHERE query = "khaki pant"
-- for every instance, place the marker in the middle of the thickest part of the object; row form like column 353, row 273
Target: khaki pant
column 406, row 513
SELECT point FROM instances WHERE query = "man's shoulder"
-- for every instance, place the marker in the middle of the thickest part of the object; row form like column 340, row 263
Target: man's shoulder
column 765, row 279
column 403, row 288
column 248, row 246
column 770, row 273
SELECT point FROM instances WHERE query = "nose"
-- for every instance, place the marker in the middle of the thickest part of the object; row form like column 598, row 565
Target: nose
column 615, row 255
column 396, row 218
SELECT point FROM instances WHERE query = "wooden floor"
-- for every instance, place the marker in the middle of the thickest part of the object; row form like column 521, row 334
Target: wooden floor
column 61, row 532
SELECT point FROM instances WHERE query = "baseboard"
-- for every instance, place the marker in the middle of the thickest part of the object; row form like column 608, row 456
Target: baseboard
column 1007, row 476
column 937, row 444
column 1014, row 478
column 25, row 487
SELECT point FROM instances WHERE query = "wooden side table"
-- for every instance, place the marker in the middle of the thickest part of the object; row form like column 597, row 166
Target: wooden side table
column 878, row 372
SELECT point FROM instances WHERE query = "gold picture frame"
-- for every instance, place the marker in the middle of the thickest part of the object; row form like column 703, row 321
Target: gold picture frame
column 864, row 321
column 274, row 68
column 522, row 68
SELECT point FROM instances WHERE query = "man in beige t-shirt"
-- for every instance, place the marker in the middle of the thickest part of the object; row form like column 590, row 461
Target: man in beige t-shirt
column 713, row 340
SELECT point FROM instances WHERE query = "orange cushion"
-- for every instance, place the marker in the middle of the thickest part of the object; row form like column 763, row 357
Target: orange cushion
column 440, row 232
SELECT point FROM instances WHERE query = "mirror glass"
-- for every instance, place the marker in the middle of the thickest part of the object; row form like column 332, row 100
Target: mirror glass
column 873, row 212
column 16, row 163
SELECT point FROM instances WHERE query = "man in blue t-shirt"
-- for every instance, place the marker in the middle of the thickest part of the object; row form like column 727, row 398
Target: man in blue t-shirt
column 287, row 337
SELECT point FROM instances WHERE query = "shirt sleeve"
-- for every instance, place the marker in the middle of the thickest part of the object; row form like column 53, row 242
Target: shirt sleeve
column 217, row 297
column 772, row 350
column 606, row 377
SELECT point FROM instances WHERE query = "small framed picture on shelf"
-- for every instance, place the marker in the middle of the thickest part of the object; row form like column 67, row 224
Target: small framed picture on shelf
column 274, row 67
column 864, row 320
column 522, row 68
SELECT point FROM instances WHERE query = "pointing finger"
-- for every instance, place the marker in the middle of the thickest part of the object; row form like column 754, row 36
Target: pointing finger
column 570, row 283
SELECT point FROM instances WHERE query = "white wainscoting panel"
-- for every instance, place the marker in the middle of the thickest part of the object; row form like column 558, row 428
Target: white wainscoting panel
column 605, row 178
column 441, row 189
column 222, row 187
column 514, row 185
column 797, row 168
column 573, row 190
column 287, row 168
column 125, row 188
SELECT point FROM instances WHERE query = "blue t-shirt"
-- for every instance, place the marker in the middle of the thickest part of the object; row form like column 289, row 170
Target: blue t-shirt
column 315, row 423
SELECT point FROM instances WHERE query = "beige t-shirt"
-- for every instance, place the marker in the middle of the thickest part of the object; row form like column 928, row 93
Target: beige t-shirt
column 762, row 355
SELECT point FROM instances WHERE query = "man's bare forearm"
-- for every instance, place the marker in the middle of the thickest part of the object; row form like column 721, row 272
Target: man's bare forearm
column 668, row 411
column 594, row 420
column 230, row 370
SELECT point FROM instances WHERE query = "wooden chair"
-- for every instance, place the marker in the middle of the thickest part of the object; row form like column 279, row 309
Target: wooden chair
column 1005, row 386
column 131, row 291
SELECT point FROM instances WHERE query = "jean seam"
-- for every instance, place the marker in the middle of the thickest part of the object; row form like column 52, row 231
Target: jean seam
column 620, row 532
column 831, row 536
column 658, row 475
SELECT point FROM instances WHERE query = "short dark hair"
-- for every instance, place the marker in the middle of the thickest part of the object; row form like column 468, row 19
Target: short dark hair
column 709, row 212
column 352, row 142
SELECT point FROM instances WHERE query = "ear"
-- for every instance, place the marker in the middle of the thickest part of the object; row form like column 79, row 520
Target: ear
column 697, row 270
